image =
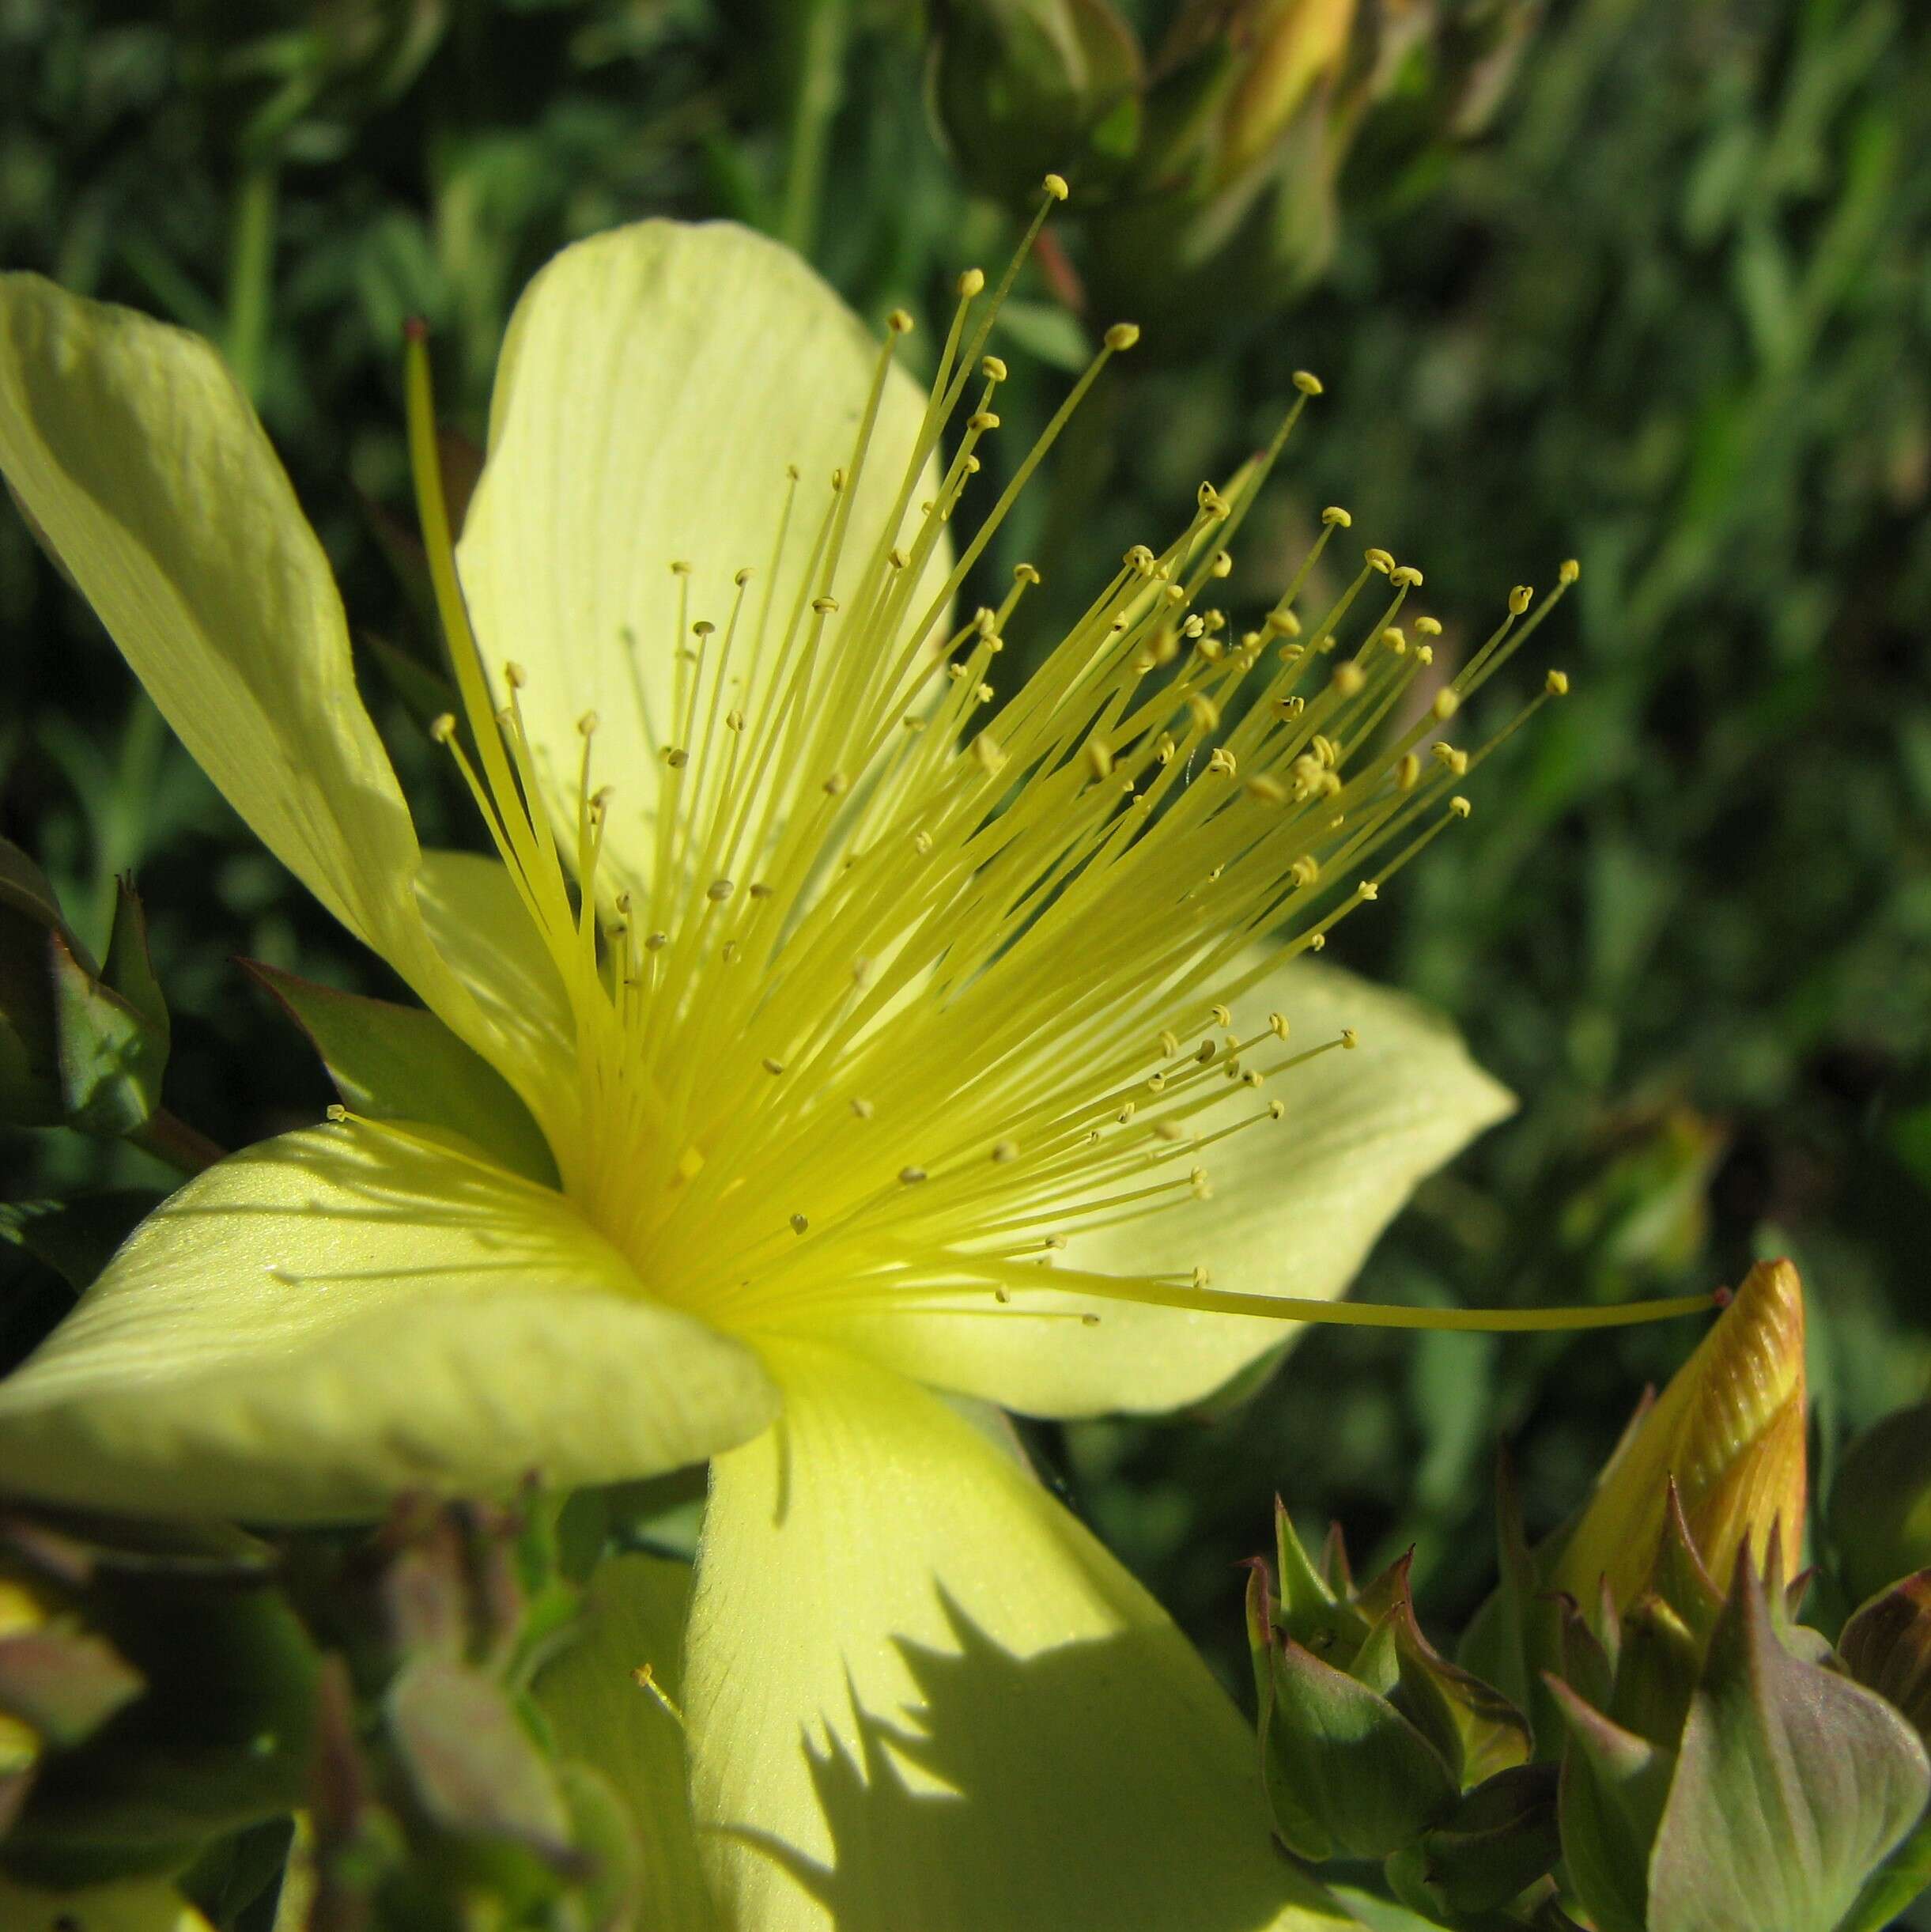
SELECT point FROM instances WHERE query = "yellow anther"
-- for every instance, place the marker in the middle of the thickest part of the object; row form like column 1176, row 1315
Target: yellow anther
column 588, row 724
column 1170, row 1042
column 1556, row 684
column 1442, row 751
column 971, row 282
column 1519, row 598
column 1405, row 575
column 1164, row 748
column 1445, row 704
column 912, row 1176
column 1205, row 1052
column 514, row 675
column 1203, row 1276
column 1127, row 1110
column 1210, row 499
column 798, row 1224
column 338, row 1113
column 1222, row 1014
column 1392, row 637
column 898, row 559
column 1283, row 623
column 760, row 891
column 899, row 322
column 1139, row 560
column 824, row 606
column 1168, row 1131
column 1252, row 1077
column 743, row 576
column 863, row 1109
column 1223, row 565
column 1304, row 871
column 837, row 785
column 1459, row 806
column 1098, row 758
column 1350, row 1038
column 1055, row 185
column 1408, row 773
column 1378, row 559
column 1122, row 335
column 655, row 941
column 443, row 727
column 983, row 420
column 774, row 1068
column 1326, row 749
column 733, row 720
column 1348, row 679
column 703, row 628
column 1055, row 1242
column 1290, row 707
column 922, row 843
column 1221, row 760
column 1156, row 1082
column 1428, row 627
column 718, row 891
column 983, row 693
column 1203, row 711
column 1424, row 654
column 680, row 568
column 1336, row 517
column 1569, row 571
column 1307, row 382
column 1368, row 889
column 676, row 757
column 1276, row 1109
column 1318, row 942
column 1004, row 1150
column 1277, row 1025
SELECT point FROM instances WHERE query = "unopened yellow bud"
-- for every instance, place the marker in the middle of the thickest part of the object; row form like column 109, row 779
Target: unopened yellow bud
column 1727, row 1431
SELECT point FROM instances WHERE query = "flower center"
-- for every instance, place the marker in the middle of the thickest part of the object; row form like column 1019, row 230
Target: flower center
column 929, row 977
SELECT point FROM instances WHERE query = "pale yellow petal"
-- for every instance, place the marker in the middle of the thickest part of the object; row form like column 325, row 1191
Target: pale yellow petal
column 921, row 1698
column 328, row 1319
column 655, row 382
column 1295, row 1206
column 633, row 1618
column 135, row 452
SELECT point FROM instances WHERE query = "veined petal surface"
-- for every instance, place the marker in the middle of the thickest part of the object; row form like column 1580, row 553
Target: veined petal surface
column 655, row 384
column 633, row 1615
column 921, row 1698
column 137, row 455
column 1295, row 1205
column 327, row 1319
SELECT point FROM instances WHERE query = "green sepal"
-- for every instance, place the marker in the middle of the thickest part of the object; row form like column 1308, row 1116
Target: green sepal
column 1496, row 1843
column 110, row 1055
column 1886, row 1645
column 129, row 967
column 1793, row 1784
column 1902, row 1877
column 1312, row 1611
column 1477, row 1732
column 1880, row 1513
column 1345, row 1771
column 1613, row 1787
column 401, row 1063
column 64, row 1685
column 472, row 1766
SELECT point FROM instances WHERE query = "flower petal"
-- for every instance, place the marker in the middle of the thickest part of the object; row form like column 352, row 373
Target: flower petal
column 655, row 383
column 139, row 458
column 920, row 1695
column 1295, row 1207
column 329, row 1318
column 633, row 1615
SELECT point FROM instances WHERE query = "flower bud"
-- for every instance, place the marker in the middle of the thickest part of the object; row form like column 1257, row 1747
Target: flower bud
column 1023, row 88
column 1728, row 1433
column 78, row 1047
column 1880, row 1505
column 1887, row 1645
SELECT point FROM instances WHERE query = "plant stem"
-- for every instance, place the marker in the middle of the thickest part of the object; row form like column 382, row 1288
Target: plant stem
column 814, row 101
column 169, row 1138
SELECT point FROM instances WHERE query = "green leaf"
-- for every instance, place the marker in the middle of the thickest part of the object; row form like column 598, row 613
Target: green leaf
column 1791, row 1786
column 76, row 1238
column 1345, row 1769
column 401, row 1063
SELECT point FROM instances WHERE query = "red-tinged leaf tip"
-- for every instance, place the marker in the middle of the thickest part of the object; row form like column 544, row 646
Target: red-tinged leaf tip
column 416, row 330
column 1722, row 1298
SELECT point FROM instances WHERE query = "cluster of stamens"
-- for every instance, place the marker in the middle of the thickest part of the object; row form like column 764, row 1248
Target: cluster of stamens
column 926, row 977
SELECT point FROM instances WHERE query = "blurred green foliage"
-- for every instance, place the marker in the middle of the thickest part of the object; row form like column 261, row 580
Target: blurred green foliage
column 1671, row 314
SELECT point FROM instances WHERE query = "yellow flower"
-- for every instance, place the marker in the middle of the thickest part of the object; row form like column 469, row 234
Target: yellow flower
column 878, row 1075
